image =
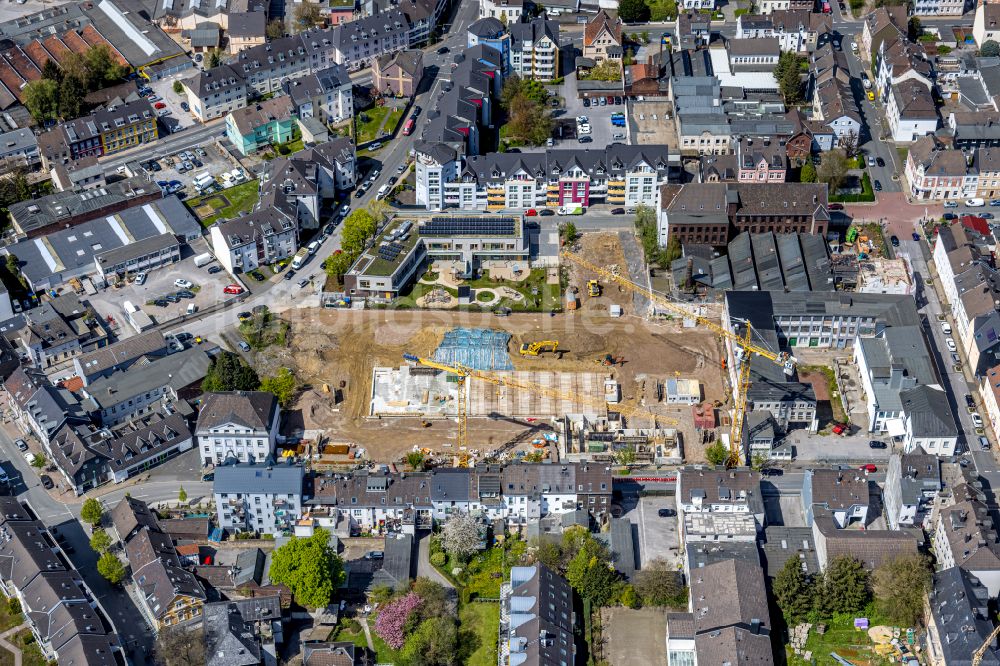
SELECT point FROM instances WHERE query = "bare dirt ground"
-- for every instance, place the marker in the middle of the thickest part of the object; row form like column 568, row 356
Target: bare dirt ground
column 340, row 349
column 604, row 249
column 633, row 636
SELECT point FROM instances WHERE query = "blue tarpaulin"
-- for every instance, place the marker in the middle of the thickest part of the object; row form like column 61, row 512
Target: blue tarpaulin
column 479, row 348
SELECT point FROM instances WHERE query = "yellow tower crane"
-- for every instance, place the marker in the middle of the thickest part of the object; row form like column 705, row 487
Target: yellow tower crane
column 464, row 372
column 977, row 656
column 744, row 345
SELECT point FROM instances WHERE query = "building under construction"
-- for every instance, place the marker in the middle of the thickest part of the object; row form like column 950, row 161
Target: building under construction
column 583, row 438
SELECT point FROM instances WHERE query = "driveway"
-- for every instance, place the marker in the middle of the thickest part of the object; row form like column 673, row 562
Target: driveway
column 658, row 537
column 424, row 567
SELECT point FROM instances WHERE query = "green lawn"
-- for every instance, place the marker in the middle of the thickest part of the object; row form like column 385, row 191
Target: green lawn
column 903, row 152
column 31, row 655
column 349, row 630
column 548, row 295
column 367, row 131
column 226, row 204
column 840, row 637
column 483, row 621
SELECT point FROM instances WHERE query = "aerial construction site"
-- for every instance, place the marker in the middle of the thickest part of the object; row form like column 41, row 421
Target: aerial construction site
column 369, row 385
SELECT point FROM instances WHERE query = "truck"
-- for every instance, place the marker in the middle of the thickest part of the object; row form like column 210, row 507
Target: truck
column 408, row 129
column 382, row 191
column 570, row 210
column 203, row 259
column 300, row 258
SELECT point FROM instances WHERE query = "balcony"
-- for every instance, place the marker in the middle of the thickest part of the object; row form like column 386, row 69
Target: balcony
column 495, row 206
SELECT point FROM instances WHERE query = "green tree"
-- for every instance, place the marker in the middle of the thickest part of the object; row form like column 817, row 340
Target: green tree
column 282, row 384
column 433, row 643
column 50, row 70
column 275, row 29
column 182, row 495
column 832, row 170
column 214, row 58
column 13, row 264
column 38, row 461
column 793, row 592
column 717, row 454
column 71, row 93
column 629, row 598
column 658, row 584
column 608, row 70
column 228, row 372
column 625, row 455
column 808, row 172
column 434, row 599
column 989, row 49
column 914, row 29
column 569, row 232
column 109, row 566
column 787, row 73
column 41, row 98
column 647, row 227
column 309, row 567
column 178, row 87
column 92, row 511
column 102, row 68
column 359, row 228
column 662, row 10
column 842, row 588
column 338, row 264
column 100, row 541
column 415, row 459
column 591, row 575
column 633, row 11
column 528, row 121
column 673, row 251
column 900, row 586
column 549, row 553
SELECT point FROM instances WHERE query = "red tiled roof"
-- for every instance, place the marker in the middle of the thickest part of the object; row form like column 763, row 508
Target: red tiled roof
column 187, row 549
column 976, row 223
column 73, row 384
column 56, row 48
column 75, row 42
column 22, row 63
column 11, row 78
column 37, row 53
column 94, row 38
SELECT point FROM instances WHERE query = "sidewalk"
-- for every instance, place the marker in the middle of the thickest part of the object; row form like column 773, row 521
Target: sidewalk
column 10, row 646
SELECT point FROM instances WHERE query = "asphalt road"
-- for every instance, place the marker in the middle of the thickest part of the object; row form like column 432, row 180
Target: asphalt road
column 199, row 135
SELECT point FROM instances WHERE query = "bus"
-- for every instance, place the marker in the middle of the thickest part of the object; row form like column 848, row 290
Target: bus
column 408, row 129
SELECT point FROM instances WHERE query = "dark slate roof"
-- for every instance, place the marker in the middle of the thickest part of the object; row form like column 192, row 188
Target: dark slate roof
column 258, row 478
column 784, row 543
column 928, row 410
column 487, row 27
column 958, row 602
column 623, row 546
column 252, row 409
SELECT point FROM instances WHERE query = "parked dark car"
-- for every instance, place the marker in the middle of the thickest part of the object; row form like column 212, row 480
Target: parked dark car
column 617, row 211
column 969, row 402
column 289, row 274
column 916, row 236
column 160, row 303
column 173, row 298
column 878, row 186
column 666, row 513
column 256, row 275
column 879, row 161
column 949, row 216
column 443, row 50
column 214, row 269
column 894, row 241
column 836, row 206
column 876, row 444
column 184, row 293
column 46, row 482
column 545, row 212
column 584, row 139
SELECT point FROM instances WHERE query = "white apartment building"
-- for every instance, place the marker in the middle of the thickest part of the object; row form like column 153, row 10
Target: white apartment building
column 508, row 11
column 535, row 49
column 237, row 425
column 258, row 497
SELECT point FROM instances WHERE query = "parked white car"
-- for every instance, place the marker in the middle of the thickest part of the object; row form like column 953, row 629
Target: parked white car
column 181, row 283
column 951, row 344
column 977, row 420
column 946, row 327
column 975, row 203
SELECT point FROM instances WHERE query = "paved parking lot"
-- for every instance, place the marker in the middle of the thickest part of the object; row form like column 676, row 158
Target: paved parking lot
column 602, row 132
column 214, row 161
column 657, row 536
column 834, row 448
column 207, row 289
column 634, row 636
column 164, row 89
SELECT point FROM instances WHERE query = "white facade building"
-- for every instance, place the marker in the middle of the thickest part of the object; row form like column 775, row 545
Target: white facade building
column 240, row 425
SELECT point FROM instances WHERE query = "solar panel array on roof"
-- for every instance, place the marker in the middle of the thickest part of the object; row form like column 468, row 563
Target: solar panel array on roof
column 468, row 226
column 389, row 251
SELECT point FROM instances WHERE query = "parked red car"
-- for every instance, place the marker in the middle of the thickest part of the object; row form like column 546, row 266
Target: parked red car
column 531, row 212
column 159, row 105
column 868, row 468
column 836, row 206
column 233, row 289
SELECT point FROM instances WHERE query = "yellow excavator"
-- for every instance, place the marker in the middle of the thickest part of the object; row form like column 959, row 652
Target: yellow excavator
column 594, row 288
column 536, row 348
